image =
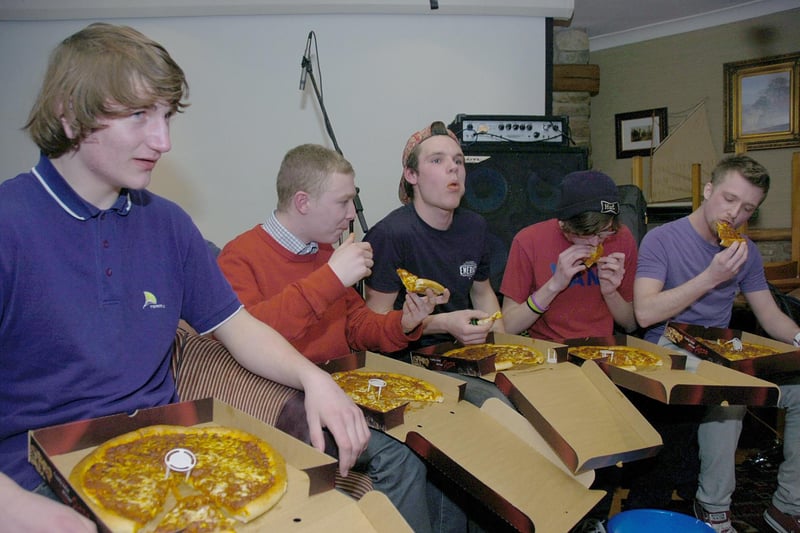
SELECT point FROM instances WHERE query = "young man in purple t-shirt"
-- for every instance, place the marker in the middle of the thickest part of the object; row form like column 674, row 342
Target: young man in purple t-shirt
column 683, row 274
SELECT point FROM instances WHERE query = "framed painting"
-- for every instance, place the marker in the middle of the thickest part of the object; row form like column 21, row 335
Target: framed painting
column 762, row 103
column 640, row 132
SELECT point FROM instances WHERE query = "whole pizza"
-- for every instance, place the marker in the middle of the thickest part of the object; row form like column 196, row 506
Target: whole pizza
column 506, row 355
column 176, row 478
column 385, row 391
column 736, row 350
column 626, row 357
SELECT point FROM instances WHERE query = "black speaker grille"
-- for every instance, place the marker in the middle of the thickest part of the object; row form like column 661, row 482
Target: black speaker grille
column 513, row 188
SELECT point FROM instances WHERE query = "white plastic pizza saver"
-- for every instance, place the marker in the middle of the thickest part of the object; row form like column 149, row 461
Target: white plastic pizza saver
column 377, row 383
column 180, row 460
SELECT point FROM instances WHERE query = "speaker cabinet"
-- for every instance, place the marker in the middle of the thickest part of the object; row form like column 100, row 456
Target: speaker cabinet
column 513, row 187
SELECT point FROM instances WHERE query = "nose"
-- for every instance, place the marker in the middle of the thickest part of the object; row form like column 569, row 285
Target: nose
column 351, row 210
column 158, row 136
column 594, row 240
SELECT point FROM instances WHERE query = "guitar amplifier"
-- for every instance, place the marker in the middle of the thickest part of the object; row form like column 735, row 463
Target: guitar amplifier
column 499, row 129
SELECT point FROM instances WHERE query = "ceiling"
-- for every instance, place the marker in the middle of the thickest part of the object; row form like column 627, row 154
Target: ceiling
column 616, row 22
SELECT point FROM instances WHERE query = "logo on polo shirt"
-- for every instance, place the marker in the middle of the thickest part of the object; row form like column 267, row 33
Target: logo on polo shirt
column 151, row 301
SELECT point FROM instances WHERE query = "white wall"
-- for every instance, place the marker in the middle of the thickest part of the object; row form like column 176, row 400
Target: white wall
column 384, row 76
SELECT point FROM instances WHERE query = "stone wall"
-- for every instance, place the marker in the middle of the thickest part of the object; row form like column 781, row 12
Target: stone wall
column 571, row 47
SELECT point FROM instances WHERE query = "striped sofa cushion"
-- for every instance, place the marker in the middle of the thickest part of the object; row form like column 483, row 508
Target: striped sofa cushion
column 204, row 368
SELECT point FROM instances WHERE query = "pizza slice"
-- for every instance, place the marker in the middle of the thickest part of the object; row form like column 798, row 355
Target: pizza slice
column 418, row 285
column 596, row 254
column 195, row 513
column 727, row 234
column 497, row 315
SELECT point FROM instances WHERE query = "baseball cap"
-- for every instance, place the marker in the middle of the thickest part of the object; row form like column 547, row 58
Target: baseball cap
column 587, row 190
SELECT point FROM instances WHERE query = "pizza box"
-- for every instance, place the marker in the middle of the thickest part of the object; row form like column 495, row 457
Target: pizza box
column 581, row 414
column 776, row 367
column 433, row 357
column 485, row 465
column 453, row 389
column 709, row 384
column 310, row 500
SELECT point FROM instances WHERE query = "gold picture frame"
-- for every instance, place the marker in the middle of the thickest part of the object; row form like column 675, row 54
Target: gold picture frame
column 762, row 102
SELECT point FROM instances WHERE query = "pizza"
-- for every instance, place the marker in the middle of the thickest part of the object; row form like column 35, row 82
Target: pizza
column 626, row 357
column 418, row 285
column 506, row 355
column 385, row 391
column 596, row 254
column 727, row 234
column 497, row 315
column 736, row 350
column 218, row 477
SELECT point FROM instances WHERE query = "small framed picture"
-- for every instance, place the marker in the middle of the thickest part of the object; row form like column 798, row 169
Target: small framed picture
column 762, row 102
column 640, row 132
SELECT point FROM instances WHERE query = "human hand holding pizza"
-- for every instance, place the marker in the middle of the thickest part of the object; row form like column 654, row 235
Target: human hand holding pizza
column 416, row 308
column 469, row 326
column 22, row 510
column 570, row 262
column 351, row 261
column 727, row 263
column 611, row 270
column 328, row 406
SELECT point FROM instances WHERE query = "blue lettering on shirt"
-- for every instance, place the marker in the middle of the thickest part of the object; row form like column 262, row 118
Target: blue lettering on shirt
column 592, row 278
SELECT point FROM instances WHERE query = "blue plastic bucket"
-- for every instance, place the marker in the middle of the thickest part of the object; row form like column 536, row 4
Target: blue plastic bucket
column 656, row 521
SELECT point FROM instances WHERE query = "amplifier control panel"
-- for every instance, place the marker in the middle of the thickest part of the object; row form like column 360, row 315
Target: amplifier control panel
column 472, row 129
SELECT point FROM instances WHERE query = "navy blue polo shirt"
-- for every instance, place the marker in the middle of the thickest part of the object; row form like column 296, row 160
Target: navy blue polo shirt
column 89, row 304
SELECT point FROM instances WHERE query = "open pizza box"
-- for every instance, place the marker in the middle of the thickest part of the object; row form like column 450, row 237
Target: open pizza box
column 310, row 502
column 783, row 365
column 434, row 357
column 581, row 414
column 672, row 383
column 484, row 460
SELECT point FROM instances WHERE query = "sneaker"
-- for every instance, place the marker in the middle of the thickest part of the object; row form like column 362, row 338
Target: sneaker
column 720, row 521
column 780, row 521
column 590, row 525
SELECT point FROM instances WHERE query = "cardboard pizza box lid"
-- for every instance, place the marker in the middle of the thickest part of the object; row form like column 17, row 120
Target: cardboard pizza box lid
column 485, row 465
column 777, row 368
column 433, row 357
column 581, row 414
column 710, row 384
column 55, row 450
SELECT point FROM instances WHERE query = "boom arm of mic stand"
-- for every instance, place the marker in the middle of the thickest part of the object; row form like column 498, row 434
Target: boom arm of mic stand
column 356, row 200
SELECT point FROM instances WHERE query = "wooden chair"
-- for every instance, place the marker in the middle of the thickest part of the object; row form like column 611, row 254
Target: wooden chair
column 785, row 275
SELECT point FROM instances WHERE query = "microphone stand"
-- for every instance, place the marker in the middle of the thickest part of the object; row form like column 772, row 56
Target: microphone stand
column 306, row 65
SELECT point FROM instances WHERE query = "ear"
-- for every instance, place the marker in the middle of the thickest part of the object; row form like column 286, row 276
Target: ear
column 301, row 201
column 410, row 175
column 707, row 190
column 66, row 121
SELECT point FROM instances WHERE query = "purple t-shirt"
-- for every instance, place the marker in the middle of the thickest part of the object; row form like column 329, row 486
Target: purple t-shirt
column 89, row 305
column 675, row 253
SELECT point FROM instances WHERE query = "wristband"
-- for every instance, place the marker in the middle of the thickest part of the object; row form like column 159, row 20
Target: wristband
column 796, row 340
column 534, row 306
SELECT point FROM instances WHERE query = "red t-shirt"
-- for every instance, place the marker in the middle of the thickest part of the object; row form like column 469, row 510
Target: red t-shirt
column 579, row 310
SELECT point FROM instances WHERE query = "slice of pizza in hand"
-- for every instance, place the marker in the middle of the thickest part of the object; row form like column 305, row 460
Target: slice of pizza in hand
column 419, row 285
column 497, row 315
column 727, row 234
column 596, row 254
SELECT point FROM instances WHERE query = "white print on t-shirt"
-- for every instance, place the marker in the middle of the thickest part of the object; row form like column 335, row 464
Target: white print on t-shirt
column 468, row 269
